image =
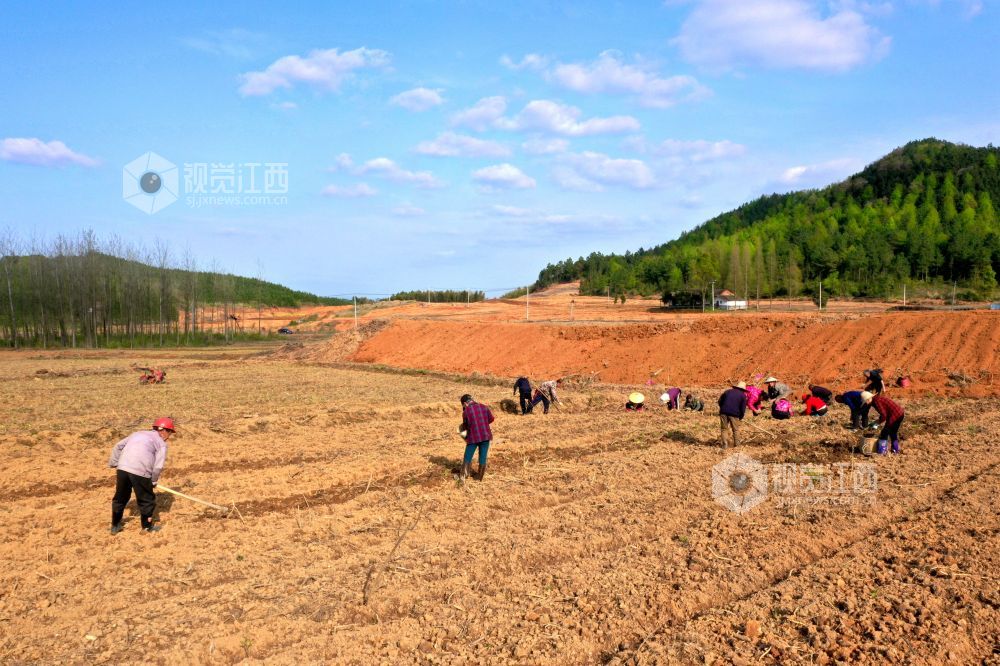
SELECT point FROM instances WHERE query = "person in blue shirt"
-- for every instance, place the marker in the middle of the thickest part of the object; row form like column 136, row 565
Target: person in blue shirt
column 859, row 410
column 522, row 388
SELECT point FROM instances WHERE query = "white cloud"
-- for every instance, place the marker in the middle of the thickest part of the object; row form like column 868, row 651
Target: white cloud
column 342, row 161
column 699, row 150
column 386, row 168
column 502, row 177
column 530, row 61
column 815, row 175
column 539, row 146
column 407, row 210
column 481, row 115
column 232, row 43
column 517, row 213
column 450, row 144
column 609, row 74
column 591, row 172
column 418, row 99
column 547, row 116
column 358, row 191
column 722, row 35
column 323, row 69
column 286, row 106
column 39, row 153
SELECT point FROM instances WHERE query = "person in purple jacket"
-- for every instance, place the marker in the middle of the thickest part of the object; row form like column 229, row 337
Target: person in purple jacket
column 732, row 408
column 139, row 459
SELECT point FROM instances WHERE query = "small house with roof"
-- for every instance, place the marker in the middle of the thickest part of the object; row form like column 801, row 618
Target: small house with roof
column 726, row 300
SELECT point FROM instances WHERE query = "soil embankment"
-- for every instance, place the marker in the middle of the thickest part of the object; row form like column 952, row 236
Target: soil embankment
column 940, row 351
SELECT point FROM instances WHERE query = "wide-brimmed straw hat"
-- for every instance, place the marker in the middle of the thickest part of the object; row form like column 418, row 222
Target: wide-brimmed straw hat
column 866, row 396
column 740, row 385
column 636, row 398
column 770, row 379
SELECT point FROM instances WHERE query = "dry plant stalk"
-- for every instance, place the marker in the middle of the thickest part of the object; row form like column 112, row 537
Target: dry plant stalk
column 371, row 580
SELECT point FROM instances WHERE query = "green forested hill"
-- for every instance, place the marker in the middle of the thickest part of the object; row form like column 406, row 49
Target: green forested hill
column 78, row 292
column 923, row 213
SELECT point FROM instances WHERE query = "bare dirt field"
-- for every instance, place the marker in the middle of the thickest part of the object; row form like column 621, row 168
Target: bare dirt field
column 595, row 537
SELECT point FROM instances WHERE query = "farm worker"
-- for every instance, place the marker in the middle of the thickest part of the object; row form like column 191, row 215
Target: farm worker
column 874, row 383
column 522, row 387
column 732, row 407
column 781, row 409
column 776, row 389
column 672, row 398
column 139, row 459
column 754, row 399
column 824, row 394
column 859, row 410
column 546, row 392
column 694, row 403
column 476, row 420
column 635, row 402
column 891, row 415
column 813, row 406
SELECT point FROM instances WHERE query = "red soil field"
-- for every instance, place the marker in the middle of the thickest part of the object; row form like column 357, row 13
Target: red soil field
column 710, row 349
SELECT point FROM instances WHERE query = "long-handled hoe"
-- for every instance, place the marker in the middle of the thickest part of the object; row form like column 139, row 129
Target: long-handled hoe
column 224, row 509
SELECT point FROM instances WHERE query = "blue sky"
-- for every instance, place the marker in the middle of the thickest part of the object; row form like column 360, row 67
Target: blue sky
column 466, row 145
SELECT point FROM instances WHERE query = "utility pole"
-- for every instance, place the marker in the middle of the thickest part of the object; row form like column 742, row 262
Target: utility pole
column 468, row 298
column 355, row 313
column 428, row 297
column 609, row 294
column 954, row 289
column 527, row 304
column 904, row 294
column 713, row 295
column 820, row 295
column 571, row 304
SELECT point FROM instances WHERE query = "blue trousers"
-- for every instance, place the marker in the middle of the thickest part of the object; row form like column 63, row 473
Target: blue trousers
column 470, row 449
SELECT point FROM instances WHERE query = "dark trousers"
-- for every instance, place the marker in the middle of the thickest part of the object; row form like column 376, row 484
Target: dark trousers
column 542, row 398
column 525, row 403
column 125, row 483
column 859, row 417
column 891, row 430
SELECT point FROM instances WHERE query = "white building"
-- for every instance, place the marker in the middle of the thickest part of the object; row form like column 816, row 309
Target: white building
column 726, row 300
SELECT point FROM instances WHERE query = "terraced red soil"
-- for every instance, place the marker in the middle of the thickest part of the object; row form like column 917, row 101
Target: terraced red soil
column 712, row 349
column 594, row 538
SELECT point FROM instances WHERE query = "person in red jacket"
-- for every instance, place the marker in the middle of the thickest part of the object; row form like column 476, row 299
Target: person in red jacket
column 891, row 415
column 814, row 406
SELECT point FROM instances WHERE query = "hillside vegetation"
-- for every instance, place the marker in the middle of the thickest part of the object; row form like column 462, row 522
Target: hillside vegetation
column 923, row 214
column 82, row 292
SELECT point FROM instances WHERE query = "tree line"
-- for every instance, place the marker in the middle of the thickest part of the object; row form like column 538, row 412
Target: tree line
column 86, row 292
column 923, row 214
column 439, row 296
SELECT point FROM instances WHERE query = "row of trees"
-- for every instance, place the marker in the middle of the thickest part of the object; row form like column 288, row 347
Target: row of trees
column 82, row 291
column 924, row 213
column 439, row 296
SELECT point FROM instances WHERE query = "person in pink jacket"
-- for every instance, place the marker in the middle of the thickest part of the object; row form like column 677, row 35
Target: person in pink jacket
column 754, row 399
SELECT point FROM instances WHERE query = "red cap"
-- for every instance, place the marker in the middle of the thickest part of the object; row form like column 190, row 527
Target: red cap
column 164, row 423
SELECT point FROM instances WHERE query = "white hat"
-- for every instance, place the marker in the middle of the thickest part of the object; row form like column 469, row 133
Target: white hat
column 866, row 397
column 740, row 385
column 665, row 397
column 770, row 379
